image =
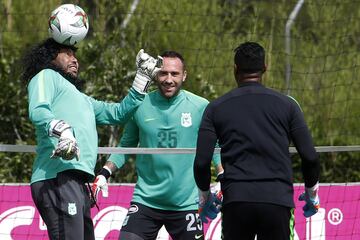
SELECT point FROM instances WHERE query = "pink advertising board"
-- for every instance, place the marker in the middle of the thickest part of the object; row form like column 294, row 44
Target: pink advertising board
column 338, row 218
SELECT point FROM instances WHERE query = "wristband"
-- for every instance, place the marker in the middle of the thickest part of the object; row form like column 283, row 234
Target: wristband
column 57, row 127
column 106, row 172
column 312, row 191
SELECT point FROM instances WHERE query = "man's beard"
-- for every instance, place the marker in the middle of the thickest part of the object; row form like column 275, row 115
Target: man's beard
column 77, row 82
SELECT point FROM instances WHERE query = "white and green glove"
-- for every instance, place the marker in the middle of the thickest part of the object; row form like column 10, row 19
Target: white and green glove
column 147, row 69
column 67, row 147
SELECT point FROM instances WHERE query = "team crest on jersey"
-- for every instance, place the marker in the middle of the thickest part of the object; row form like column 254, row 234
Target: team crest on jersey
column 186, row 120
column 72, row 209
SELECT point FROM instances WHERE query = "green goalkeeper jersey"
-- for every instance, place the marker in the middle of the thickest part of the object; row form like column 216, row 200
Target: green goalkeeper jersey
column 53, row 97
column 165, row 181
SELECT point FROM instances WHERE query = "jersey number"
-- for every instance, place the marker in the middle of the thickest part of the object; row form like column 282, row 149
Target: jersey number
column 194, row 222
column 167, row 139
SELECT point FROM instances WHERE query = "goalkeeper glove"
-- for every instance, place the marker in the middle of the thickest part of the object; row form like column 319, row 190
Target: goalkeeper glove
column 209, row 205
column 147, row 69
column 100, row 184
column 312, row 200
column 67, row 147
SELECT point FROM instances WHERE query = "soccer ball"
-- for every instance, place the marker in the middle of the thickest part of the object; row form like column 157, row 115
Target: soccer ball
column 68, row 24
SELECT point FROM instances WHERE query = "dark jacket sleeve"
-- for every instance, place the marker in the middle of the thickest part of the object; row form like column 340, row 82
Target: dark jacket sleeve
column 303, row 143
column 204, row 152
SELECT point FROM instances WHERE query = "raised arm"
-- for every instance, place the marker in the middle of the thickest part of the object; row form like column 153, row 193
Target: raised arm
column 119, row 113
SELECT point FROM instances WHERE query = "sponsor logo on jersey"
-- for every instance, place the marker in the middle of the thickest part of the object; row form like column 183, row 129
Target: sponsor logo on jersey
column 72, row 209
column 186, row 120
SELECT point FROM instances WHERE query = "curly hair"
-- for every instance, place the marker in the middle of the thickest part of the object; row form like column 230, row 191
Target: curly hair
column 41, row 57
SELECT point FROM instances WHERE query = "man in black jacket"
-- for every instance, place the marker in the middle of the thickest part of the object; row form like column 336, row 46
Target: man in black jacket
column 254, row 126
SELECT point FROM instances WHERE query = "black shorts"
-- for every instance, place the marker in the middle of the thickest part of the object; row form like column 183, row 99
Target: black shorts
column 244, row 220
column 64, row 205
column 144, row 223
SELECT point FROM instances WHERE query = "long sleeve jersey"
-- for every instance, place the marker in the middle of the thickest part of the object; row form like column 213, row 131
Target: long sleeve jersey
column 51, row 97
column 165, row 181
column 255, row 126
